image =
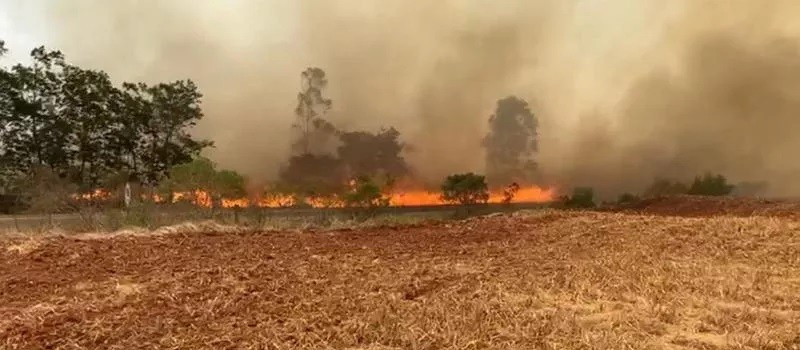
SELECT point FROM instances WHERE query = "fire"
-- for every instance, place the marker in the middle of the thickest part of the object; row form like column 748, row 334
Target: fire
column 528, row 194
column 399, row 198
column 96, row 195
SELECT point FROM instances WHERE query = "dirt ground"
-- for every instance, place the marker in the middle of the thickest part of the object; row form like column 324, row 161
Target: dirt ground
column 536, row 280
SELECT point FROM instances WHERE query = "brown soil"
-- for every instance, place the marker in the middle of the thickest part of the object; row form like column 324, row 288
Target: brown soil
column 550, row 280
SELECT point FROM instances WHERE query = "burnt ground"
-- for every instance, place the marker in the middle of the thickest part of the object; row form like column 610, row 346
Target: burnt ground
column 545, row 279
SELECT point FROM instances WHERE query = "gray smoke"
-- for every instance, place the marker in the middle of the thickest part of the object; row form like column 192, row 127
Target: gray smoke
column 625, row 91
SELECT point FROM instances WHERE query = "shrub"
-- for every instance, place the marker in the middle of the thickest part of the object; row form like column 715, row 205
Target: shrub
column 468, row 188
column 43, row 191
column 366, row 193
column 582, row 197
column 628, row 198
column 710, row 185
column 665, row 187
column 202, row 183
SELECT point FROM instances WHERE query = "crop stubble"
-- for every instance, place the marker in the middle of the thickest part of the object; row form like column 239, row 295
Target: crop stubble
column 550, row 279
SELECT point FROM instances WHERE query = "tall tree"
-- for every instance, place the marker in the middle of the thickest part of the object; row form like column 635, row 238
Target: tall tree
column 174, row 109
column 313, row 175
column 311, row 107
column 77, row 124
column 35, row 133
column 512, row 143
column 90, row 105
column 370, row 154
column 6, row 111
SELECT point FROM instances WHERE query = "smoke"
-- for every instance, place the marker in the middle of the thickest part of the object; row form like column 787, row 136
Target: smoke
column 625, row 91
column 724, row 99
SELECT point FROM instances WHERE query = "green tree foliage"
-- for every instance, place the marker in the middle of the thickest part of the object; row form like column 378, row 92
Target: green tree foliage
column 35, row 133
column 366, row 193
column 315, row 171
column 311, row 175
column 665, row 187
column 710, row 185
column 370, row 154
column 467, row 188
column 75, row 122
column 201, row 176
column 511, row 143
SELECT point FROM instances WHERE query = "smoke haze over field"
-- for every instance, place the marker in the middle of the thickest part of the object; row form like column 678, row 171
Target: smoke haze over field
column 624, row 90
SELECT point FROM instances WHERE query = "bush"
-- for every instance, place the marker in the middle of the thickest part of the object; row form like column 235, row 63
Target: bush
column 365, row 198
column 45, row 192
column 627, row 199
column 366, row 194
column 202, row 184
column 665, row 187
column 582, row 197
column 710, row 185
column 468, row 188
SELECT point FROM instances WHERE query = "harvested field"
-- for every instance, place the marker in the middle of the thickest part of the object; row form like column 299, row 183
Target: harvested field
column 547, row 279
column 697, row 206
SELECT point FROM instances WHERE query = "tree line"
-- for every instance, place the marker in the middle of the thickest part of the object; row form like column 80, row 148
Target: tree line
column 78, row 125
column 65, row 124
column 325, row 158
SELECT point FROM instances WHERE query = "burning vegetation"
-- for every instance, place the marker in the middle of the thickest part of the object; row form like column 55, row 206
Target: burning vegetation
column 68, row 126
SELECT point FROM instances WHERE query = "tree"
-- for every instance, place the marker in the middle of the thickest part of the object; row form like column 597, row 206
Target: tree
column 370, row 154
column 311, row 107
column 366, row 193
column 468, row 188
column 35, row 133
column 43, row 191
column 90, row 103
column 75, row 122
column 311, row 175
column 665, row 187
column 511, row 143
column 710, row 185
column 174, row 109
column 201, row 183
column 6, row 111
column 628, row 199
column 582, row 197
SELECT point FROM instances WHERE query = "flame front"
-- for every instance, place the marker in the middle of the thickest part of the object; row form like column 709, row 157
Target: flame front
column 397, row 198
column 529, row 194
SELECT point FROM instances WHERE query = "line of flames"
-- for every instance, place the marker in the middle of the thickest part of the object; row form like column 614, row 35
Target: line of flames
column 527, row 194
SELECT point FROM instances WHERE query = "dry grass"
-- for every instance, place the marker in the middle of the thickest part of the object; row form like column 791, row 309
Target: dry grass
column 549, row 280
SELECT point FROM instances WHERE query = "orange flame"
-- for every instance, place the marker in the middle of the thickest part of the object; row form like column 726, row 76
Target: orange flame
column 98, row 194
column 528, row 194
column 399, row 198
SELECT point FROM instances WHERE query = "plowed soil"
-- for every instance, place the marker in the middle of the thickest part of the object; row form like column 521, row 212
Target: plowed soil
column 548, row 279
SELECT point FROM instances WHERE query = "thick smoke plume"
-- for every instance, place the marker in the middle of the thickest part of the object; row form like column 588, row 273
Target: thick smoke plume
column 624, row 91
